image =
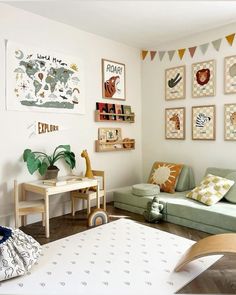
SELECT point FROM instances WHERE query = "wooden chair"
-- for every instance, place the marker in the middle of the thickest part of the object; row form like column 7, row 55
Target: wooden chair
column 89, row 194
column 23, row 208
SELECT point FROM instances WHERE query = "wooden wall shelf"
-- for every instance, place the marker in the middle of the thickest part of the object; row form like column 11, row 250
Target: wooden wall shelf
column 116, row 116
column 101, row 146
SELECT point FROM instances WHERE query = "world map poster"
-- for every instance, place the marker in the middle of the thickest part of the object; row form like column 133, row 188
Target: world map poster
column 39, row 80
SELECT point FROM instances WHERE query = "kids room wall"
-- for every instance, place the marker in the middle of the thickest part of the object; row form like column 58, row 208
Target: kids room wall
column 199, row 154
column 80, row 131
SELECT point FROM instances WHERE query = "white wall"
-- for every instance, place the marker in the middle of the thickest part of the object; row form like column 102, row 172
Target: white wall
column 198, row 154
column 122, row 168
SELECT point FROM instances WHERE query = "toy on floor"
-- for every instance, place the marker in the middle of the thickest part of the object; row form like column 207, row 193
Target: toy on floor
column 89, row 172
column 18, row 253
column 97, row 217
column 153, row 212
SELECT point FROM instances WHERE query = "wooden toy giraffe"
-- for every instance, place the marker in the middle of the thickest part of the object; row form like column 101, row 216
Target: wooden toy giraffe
column 88, row 172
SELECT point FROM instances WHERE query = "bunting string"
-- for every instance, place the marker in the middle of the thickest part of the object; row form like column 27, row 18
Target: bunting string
column 191, row 50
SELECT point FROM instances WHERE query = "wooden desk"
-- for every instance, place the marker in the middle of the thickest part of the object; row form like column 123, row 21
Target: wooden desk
column 48, row 190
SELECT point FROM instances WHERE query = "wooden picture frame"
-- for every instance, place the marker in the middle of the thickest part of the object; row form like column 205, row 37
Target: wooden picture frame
column 175, row 123
column 203, row 79
column 175, row 83
column 109, row 134
column 230, row 122
column 203, row 122
column 230, row 74
column 113, row 80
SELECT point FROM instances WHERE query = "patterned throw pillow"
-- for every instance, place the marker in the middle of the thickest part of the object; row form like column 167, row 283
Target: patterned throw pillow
column 211, row 189
column 165, row 175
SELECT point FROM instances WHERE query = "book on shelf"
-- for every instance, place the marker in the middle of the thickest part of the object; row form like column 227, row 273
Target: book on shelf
column 127, row 111
column 111, row 110
column 102, row 107
column 118, row 109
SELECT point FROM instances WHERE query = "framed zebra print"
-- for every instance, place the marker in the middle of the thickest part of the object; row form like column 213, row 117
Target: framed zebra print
column 113, row 80
column 203, row 122
column 175, row 123
column 175, row 83
column 203, row 79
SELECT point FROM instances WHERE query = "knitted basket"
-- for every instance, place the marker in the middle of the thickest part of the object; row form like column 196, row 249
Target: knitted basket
column 18, row 252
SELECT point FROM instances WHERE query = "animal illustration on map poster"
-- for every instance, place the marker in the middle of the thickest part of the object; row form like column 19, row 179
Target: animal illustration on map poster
column 202, row 120
column 44, row 80
column 113, row 79
column 175, row 119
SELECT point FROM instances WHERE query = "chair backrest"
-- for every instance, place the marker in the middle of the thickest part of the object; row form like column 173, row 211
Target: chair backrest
column 100, row 174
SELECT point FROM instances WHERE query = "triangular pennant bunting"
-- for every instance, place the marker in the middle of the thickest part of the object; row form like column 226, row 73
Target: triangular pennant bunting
column 216, row 44
column 181, row 52
column 161, row 54
column 144, row 54
column 192, row 50
column 204, row 47
column 152, row 54
column 171, row 54
column 230, row 39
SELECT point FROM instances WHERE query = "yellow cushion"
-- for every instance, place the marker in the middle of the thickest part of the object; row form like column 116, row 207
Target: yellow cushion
column 211, row 189
column 165, row 175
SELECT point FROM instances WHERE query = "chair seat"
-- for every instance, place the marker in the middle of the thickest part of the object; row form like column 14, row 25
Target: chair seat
column 31, row 204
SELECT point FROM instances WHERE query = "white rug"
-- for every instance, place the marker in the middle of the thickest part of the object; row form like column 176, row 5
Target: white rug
column 121, row 257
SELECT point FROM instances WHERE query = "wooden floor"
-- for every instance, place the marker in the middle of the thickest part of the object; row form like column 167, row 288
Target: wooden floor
column 219, row 279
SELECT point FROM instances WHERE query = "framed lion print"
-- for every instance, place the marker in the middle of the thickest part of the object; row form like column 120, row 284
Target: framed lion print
column 230, row 74
column 203, row 79
column 175, row 123
column 230, row 121
column 113, row 80
column 203, row 122
column 175, row 83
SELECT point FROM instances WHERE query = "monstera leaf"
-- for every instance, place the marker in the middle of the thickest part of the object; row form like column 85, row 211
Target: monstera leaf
column 32, row 163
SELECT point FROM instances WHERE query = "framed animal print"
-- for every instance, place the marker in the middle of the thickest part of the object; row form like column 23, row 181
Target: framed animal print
column 175, row 83
column 175, row 123
column 113, row 80
column 203, row 122
column 203, row 79
column 230, row 121
column 230, row 74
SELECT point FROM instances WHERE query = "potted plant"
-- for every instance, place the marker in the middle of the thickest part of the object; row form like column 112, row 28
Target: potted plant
column 46, row 164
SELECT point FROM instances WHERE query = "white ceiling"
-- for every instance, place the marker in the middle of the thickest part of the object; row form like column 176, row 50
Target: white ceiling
column 142, row 24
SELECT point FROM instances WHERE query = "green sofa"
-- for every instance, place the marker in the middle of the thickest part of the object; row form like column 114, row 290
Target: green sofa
column 218, row 218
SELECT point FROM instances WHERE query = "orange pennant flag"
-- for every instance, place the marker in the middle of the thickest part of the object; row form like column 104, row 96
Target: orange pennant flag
column 181, row 52
column 144, row 54
column 230, row 39
column 152, row 54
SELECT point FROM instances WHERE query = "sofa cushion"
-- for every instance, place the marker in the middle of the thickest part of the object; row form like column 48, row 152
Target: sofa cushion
column 231, row 195
column 145, row 189
column 165, row 175
column 221, row 215
column 218, row 171
column 211, row 189
column 186, row 180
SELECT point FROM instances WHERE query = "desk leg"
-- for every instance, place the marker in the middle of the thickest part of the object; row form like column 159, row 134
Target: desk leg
column 98, row 197
column 47, row 230
column 23, row 218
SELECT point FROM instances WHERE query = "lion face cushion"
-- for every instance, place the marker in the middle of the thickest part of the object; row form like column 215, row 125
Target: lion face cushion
column 165, row 175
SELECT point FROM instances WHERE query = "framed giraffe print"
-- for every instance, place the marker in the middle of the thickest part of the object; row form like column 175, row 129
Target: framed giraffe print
column 175, row 83
column 113, row 80
column 230, row 121
column 203, row 122
column 175, row 123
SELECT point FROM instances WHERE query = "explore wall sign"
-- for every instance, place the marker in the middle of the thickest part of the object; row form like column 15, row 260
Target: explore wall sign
column 40, row 80
column 40, row 128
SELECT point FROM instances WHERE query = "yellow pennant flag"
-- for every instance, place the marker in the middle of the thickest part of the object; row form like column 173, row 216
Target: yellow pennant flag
column 144, row 54
column 181, row 52
column 230, row 39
